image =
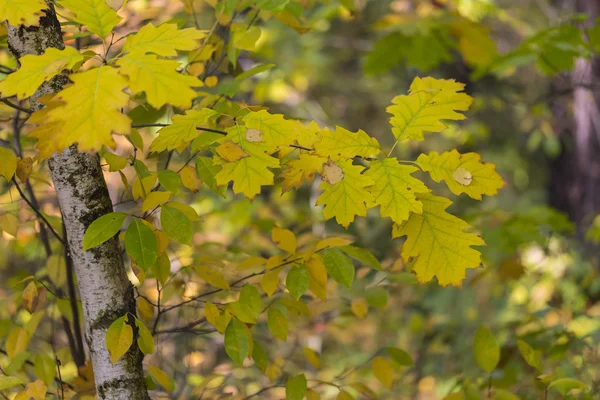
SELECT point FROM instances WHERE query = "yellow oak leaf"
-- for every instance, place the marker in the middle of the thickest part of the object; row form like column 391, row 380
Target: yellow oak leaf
column 230, row 151
column 394, row 189
column 429, row 101
column 439, row 243
column 278, row 133
column 159, row 79
column 301, row 170
column 347, row 198
column 22, row 12
column 91, row 109
column 95, row 14
column 163, row 40
column 463, row 173
column 182, row 130
column 345, row 144
column 37, row 69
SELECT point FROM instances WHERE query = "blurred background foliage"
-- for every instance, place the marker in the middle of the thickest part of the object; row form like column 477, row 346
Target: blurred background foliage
column 341, row 62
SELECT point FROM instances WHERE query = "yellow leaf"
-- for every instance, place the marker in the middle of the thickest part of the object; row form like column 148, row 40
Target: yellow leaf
column 144, row 309
column 312, row 357
column 162, row 378
column 37, row 69
column 318, row 276
column 437, row 240
column 184, row 208
column 163, row 40
column 383, row 371
column 92, row 109
column 9, row 223
column 251, row 263
column 277, row 132
column 8, row 165
column 30, row 297
column 395, row 189
column 22, row 12
column 16, row 342
column 343, row 395
column 159, row 79
column 285, row 239
column 474, row 42
column 270, row 281
column 119, row 337
column 332, row 173
column 333, row 242
column 95, row 14
column 115, row 161
column 301, row 171
column 140, row 189
column 212, row 277
column 359, row 307
column 428, row 102
column 215, row 317
column 36, row 390
column 348, row 197
column 211, row 81
column 312, row 395
column 345, row 144
column 245, row 38
column 154, row 199
column 189, row 179
column 463, row 173
column 230, row 151
column 24, row 168
column 182, row 130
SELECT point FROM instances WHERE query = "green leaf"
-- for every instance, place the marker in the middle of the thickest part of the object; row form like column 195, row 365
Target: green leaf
column 531, row 356
column 295, row 388
column 237, row 343
column 145, row 340
column 176, row 225
column 119, row 338
column 162, row 268
column 565, row 385
column 95, row 14
column 400, row 357
column 486, row 349
column 141, row 244
column 278, row 323
column 9, row 381
column 259, row 355
column 170, row 180
column 103, row 229
column 363, row 256
column 207, row 171
column 339, row 267
column 250, row 297
column 377, row 297
column 253, row 71
column 297, row 281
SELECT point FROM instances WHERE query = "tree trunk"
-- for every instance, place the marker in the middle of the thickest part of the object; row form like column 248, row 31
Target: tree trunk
column 105, row 291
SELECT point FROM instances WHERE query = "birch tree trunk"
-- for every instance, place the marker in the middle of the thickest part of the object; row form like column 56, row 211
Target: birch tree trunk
column 105, row 291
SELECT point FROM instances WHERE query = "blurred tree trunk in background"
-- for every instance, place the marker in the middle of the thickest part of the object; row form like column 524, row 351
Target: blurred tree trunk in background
column 575, row 174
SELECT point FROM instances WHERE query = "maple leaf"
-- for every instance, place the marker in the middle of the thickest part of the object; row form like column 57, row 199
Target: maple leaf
column 348, row 197
column 182, row 130
column 345, row 144
column 249, row 173
column 37, row 69
column 463, row 173
column 95, row 14
column 159, row 79
column 22, row 12
column 395, row 189
column 429, row 101
column 438, row 241
column 163, row 40
column 278, row 132
column 91, row 109
column 301, row 170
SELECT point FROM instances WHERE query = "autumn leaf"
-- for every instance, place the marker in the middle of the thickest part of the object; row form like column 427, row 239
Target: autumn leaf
column 182, row 130
column 429, row 101
column 163, row 40
column 37, row 69
column 463, row 173
column 301, row 170
column 22, row 12
column 395, row 189
column 345, row 144
column 439, row 243
column 95, row 14
column 159, row 79
column 348, row 197
column 277, row 132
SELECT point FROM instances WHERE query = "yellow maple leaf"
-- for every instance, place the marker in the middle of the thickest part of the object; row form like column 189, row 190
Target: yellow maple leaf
column 159, row 79
column 182, row 130
column 429, row 101
column 22, row 12
column 91, row 109
column 345, row 144
column 348, row 197
column 394, row 189
column 163, row 40
column 301, row 170
column 278, row 133
column 437, row 240
column 463, row 173
column 37, row 69
column 95, row 14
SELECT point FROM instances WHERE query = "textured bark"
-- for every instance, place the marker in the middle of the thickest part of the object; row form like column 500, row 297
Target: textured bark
column 105, row 291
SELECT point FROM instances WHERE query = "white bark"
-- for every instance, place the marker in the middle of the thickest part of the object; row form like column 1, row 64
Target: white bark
column 105, row 291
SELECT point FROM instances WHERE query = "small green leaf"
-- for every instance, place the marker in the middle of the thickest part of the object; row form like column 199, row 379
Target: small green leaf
column 259, row 355
column 363, row 256
column 170, row 180
column 103, row 229
column 297, row 281
column 119, row 338
column 295, row 388
column 237, row 343
column 141, row 244
column 145, row 340
column 399, row 356
column 565, row 385
column 531, row 356
column 207, row 171
column 377, row 297
column 9, row 381
column 253, row 71
column 339, row 267
column 486, row 349
column 278, row 323
column 250, row 297
column 176, row 225
column 162, row 268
